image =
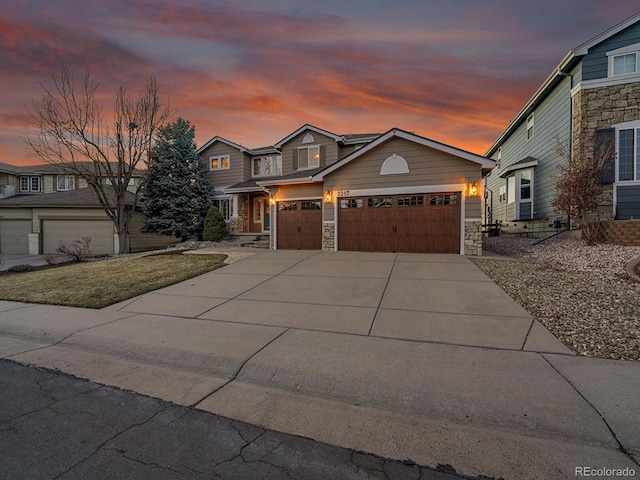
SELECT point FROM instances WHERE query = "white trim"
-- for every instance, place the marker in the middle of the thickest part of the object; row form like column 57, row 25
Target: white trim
column 222, row 140
column 297, row 199
column 328, row 222
column 607, row 82
column 483, row 161
column 394, row 165
column 472, row 220
column 335, row 137
column 286, row 181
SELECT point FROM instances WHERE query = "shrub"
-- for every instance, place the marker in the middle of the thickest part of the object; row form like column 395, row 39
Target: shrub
column 21, row 268
column 215, row 228
column 78, row 250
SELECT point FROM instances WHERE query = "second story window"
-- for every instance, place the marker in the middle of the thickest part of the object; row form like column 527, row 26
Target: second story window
column 625, row 64
column 30, row 184
column 308, row 157
column 531, row 126
column 221, row 162
column 65, row 182
column 264, row 166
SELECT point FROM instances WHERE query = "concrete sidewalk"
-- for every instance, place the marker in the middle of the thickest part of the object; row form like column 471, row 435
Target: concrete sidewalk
column 400, row 355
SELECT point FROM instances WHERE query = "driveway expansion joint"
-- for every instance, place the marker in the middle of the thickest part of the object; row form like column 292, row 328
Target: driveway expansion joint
column 386, row 285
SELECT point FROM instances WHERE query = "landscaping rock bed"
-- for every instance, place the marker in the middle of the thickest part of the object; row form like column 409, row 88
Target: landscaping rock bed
column 581, row 293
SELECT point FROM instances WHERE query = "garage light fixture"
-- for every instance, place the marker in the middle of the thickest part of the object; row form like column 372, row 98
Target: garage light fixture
column 327, row 196
column 473, row 189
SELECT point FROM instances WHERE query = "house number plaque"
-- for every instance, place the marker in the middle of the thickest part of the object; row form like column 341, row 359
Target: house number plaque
column 343, row 193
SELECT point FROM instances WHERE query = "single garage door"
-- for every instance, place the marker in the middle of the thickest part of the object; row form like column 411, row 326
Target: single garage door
column 14, row 236
column 299, row 225
column 65, row 232
column 427, row 223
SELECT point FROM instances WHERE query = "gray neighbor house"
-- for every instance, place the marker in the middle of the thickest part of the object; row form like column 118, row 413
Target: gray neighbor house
column 590, row 99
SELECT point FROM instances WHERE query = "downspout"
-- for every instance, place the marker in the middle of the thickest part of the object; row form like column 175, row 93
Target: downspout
column 564, row 74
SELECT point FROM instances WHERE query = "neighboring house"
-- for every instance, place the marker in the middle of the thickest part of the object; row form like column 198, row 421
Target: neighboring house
column 41, row 209
column 317, row 190
column 588, row 103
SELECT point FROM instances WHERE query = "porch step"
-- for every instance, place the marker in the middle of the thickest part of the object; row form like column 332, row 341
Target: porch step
column 257, row 243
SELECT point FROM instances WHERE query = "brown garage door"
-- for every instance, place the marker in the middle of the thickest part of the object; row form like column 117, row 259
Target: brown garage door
column 300, row 225
column 428, row 223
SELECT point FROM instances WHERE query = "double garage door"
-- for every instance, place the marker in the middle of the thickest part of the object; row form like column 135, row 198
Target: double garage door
column 427, row 223
column 65, row 232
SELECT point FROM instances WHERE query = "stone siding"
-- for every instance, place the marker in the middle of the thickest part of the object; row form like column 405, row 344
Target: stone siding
column 473, row 238
column 328, row 237
column 621, row 232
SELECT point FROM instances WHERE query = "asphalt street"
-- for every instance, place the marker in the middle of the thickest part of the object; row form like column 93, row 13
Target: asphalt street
column 54, row 426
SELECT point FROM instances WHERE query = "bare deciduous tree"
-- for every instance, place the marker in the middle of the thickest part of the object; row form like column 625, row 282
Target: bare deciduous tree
column 580, row 185
column 73, row 133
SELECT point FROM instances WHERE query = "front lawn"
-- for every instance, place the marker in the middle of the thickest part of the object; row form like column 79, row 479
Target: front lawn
column 104, row 282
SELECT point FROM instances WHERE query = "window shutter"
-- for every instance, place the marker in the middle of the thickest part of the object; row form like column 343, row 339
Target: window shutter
column 295, row 159
column 605, row 150
column 322, row 161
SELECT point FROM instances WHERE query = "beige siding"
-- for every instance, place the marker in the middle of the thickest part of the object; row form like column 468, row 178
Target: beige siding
column 426, row 166
column 302, row 191
column 473, row 207
column 330, row 150
column 239, row 167
column 141, row 242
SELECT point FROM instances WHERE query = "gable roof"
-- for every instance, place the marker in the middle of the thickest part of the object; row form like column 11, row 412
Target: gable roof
column 215, row 139
column 484, row 162
column 79, row 197
column 562, row 70
column 335, row 137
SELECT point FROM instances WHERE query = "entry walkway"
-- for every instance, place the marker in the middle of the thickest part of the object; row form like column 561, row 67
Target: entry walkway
column 406, row 356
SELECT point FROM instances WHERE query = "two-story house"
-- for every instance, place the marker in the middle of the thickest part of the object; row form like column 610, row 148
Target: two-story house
column 314, row 189
column 589, row 102
column 41, row 207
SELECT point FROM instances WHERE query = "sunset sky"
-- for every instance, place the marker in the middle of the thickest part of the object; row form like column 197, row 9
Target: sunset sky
column 455, row 71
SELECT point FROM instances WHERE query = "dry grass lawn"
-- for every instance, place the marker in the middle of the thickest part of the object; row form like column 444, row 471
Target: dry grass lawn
column 105, row 282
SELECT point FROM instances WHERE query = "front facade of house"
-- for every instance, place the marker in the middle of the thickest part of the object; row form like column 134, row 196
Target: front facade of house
column 588, row 107
column 41, row 209
column 314, row 189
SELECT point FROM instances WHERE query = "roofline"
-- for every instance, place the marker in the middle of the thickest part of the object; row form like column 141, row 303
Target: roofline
column 519, row 166
column 396, row 132
column 584, row 48
column 243, row 189
column 570, row 59
column 226, row 142
column 284, row 181
column 307, row 126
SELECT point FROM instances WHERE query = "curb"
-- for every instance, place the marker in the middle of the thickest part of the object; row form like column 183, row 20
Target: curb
column 631, row 269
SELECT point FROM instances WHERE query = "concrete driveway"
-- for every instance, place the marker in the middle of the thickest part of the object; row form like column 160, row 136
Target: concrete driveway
column 407, row 356
column 10, row 260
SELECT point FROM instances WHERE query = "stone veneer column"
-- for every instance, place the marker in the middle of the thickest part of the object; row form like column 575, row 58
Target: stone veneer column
column 328, row 237
column 34, row 243
column 473, row 238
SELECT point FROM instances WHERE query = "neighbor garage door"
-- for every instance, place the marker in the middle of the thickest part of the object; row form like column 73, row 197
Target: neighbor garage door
column 14, row 236
column 299, row 225
column 65, row 232
column 428, row 223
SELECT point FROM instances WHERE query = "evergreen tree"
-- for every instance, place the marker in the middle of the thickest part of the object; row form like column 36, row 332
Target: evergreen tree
column 176, row 192
column 215, row 228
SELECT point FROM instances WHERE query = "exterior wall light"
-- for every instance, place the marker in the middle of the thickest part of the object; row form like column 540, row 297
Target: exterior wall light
column 327, row 196
column 272, row 201
column 473, row 189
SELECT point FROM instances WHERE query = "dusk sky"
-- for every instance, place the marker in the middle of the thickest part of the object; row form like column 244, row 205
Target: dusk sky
column 455, row 71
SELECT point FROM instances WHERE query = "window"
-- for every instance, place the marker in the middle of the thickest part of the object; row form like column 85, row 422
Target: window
column 629, row 154
column 503, row 194
column 530, row 126
column 511, row 189
column 264, row 166
column 383, row 202
column 287, row 206
column 525, row 185
column 30, row 184
column 308, row 157
column 220, row 162
column 449, row 199
column 224, row 206
column 311, row 205
column 65, row 182
column 416, row 201
column 625, row 64
column 351, row 203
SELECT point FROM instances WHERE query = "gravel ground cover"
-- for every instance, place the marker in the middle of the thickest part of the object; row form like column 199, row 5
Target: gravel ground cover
column 580, row 293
